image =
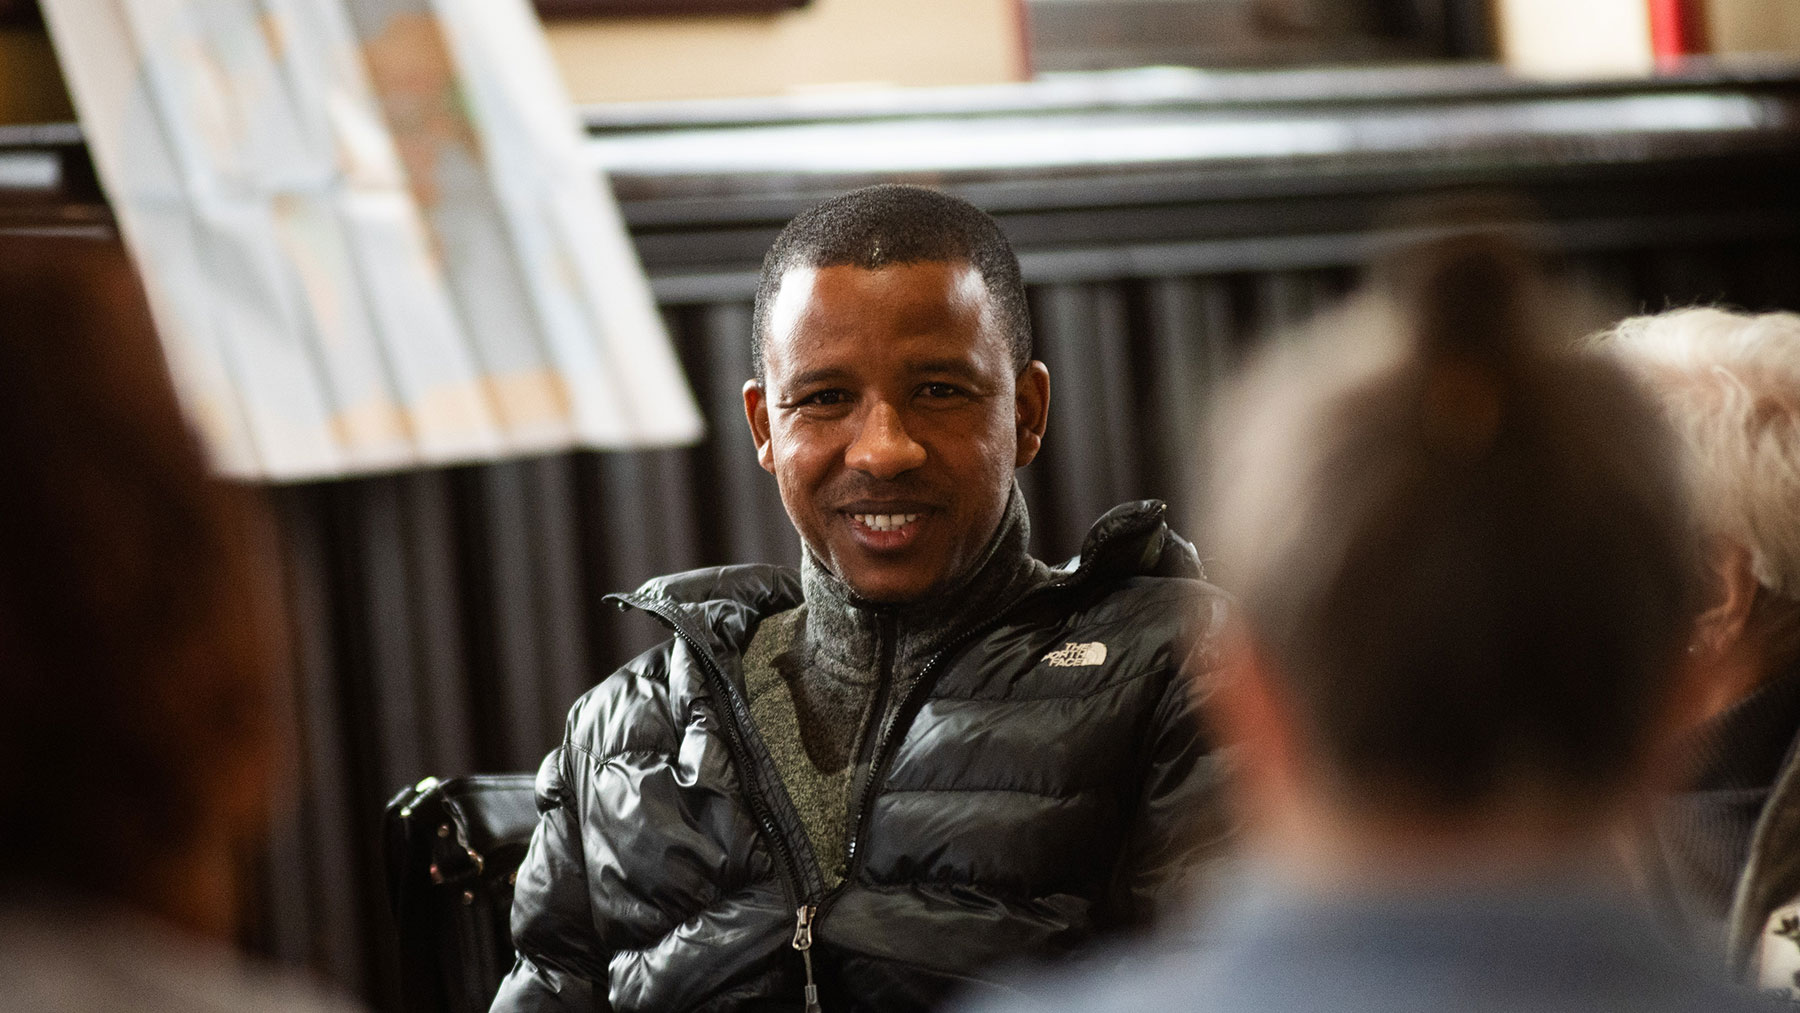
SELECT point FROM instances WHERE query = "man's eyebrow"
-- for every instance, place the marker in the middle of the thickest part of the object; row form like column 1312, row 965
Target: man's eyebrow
column 960, row 368
column 957, row 368
column 827, row 374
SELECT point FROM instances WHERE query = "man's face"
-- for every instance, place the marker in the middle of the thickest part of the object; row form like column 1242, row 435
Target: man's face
column 892, row 421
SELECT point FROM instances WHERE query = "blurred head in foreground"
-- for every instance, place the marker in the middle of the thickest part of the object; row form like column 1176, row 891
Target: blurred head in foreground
column 1461, row 554
column 135, row 630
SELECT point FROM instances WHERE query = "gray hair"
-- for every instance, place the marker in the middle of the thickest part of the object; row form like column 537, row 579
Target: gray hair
column 1730, row 385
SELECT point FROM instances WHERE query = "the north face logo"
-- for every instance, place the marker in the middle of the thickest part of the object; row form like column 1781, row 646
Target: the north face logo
column 1077, row 655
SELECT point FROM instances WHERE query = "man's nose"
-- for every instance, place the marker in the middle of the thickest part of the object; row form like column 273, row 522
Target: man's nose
column 883, row 448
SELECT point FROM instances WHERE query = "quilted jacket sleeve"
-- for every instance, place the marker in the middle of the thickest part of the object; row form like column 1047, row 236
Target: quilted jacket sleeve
column 560, row 965
column 1180, row 828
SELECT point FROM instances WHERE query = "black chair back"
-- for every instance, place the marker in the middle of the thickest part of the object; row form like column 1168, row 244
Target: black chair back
column 453, row 848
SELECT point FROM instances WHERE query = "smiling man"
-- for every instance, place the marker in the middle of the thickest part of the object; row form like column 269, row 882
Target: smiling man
column 892, row 405
column 869, row 783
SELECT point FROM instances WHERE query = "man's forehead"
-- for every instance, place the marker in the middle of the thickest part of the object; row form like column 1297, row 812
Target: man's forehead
column 953, row 281
column 792, row 295
column 840, row 300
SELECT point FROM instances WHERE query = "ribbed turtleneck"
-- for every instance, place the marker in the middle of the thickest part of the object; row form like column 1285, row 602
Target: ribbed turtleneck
column 824, row 678
column 1732, row 762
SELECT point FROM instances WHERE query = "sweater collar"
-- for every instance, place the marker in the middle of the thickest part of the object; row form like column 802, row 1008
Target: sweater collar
column 1747, row 745
column 849, row 629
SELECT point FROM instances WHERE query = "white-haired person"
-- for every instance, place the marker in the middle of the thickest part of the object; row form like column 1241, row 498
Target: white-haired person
column 1726, row 860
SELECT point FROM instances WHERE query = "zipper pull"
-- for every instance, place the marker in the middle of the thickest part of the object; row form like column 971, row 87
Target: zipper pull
column 803, row 926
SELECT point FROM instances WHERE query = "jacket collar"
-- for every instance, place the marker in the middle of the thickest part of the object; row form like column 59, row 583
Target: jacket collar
column 1130, row 540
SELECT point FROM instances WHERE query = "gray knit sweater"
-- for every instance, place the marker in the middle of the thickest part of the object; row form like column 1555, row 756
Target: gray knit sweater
column 814, row 674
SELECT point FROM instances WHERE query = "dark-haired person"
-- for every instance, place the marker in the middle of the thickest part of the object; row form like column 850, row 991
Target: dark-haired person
column 1461, row 551
column 138, row 645
column 862, row 784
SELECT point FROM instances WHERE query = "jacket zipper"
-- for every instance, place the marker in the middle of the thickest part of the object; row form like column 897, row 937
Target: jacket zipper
column 886, row 649
column 740, row 750
column 878, row 757
column 915, row 697
column 810, row 908
column 803, row 923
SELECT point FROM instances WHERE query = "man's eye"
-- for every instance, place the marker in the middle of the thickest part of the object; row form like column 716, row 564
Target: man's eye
column 941, row 390
column 825, row 397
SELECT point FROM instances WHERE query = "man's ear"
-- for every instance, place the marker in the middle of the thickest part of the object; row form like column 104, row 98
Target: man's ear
column 756, row 412
column 1031, row 408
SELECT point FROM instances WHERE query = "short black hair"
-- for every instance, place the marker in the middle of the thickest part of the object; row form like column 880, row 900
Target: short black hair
column 892, row 223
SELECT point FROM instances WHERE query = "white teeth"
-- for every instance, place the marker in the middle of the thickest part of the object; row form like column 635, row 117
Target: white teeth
column 885, row 522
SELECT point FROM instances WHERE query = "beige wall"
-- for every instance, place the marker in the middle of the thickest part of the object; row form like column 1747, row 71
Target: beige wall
column 1575, row 38
column 832, row 43
column 1753, row 26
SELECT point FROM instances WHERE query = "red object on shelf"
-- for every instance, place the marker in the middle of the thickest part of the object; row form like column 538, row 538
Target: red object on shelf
column 1677, row 28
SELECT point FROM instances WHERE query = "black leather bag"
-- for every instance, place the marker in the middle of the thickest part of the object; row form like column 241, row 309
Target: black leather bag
column 453, row 848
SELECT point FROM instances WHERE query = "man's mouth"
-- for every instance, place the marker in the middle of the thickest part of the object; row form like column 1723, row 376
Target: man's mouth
column 886, row 527
column 885, row 522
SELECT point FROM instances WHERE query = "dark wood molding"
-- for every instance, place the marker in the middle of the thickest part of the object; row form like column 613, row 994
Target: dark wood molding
column 20, row 14
column 1602, row 181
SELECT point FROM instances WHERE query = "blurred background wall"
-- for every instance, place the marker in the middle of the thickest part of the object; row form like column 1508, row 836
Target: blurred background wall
column 842, row 44
column 1166, row 218
column 625, row 50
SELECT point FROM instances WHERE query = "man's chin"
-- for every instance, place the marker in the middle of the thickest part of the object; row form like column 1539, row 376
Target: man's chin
column 887, row 585
column 890, row 592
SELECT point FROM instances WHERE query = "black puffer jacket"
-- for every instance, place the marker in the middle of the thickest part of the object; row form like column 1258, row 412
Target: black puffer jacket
column 1033, row 791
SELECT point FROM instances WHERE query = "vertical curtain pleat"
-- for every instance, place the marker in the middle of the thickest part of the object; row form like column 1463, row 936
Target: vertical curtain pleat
column 560, row 596
column 1088, row 460
column 1188, row 343
column 735, row 493
column 389, row 598
column 511, row 655
column 531, row 650
column 318, row 849
column 442, row 684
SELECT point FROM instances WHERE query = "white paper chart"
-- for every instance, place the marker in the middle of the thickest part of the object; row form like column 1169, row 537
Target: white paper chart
column 369, row 233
